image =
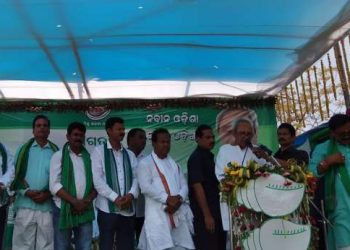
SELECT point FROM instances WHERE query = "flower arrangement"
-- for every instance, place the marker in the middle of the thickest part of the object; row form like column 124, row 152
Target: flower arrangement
column 236, row 175
column 246, row 219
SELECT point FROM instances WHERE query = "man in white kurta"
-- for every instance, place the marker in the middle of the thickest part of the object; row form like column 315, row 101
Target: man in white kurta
column 241, row 152
column 168, row 219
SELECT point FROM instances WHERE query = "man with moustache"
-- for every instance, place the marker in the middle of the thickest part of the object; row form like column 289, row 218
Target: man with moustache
column 115, row 181
column 72, row 186
column 331, row 160
column 204, row 193
column 287, row 151
column 168, row 219
column 136, row 140
column 33, row 223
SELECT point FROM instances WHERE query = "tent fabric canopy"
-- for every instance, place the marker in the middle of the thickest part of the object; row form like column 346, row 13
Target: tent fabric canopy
column 78, row 49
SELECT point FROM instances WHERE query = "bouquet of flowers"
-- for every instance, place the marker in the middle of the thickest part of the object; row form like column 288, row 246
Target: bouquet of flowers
column 236, row 175
column 259, row 195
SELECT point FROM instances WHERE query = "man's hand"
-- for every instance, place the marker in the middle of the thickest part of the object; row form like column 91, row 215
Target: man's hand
column 173, row 203
column 32, row 194
column 127, row 201
column 260, row 153
column 79, row 206
column 38, row 196
column 124, row 202
column 284, row 164
column 203, row 204
column 90, row 198
column 329, row 162
column 118, row 202
column 41, row 196
column 335, row 159
column 209, row 223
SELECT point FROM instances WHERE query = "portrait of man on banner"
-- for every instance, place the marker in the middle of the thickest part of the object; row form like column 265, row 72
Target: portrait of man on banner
column 226, row 119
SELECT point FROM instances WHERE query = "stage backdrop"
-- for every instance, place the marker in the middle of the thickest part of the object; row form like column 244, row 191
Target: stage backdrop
column 16, row 127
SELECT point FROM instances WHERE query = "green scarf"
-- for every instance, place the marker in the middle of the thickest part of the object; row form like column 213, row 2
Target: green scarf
column 330, row 194
column 112, row 175
column 22, row 164
column 4, row 158
column 67, row 218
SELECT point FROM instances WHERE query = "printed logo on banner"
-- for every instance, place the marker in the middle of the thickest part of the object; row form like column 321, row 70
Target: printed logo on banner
column 97, row 113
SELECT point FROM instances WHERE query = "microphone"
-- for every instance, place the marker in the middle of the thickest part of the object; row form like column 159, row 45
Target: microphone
column 269, row 153
column 249, row 143
column 265, row 148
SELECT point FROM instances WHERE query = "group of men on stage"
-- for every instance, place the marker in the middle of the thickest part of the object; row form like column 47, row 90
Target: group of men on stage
column 171, row 212
column 112, row 176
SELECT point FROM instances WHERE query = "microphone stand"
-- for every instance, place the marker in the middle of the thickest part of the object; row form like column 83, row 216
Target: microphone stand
column 324, row 223
column 245, row 153
column 230, row 223
column 324, row 220
column 274, row 161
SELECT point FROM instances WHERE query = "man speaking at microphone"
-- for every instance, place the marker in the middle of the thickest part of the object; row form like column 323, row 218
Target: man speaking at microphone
column 241, row 151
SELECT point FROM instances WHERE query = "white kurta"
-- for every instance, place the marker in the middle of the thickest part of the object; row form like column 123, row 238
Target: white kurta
column 105, row 192
column 157, row 233
column 228, row 153
column 56, row 175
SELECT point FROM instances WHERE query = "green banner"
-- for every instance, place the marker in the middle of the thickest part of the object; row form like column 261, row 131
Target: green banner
column 16, row 127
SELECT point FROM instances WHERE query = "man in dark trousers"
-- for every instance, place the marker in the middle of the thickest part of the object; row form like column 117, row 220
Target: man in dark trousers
column 136, row 140
column 204, row 193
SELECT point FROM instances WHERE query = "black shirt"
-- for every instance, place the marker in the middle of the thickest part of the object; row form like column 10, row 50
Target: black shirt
column 201, row 169
column 292, row 153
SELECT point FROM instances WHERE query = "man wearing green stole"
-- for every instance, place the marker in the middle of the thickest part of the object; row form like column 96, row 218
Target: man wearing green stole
column 331, row 159
column 72, row 187
column 114, row 178
column 33, row 223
